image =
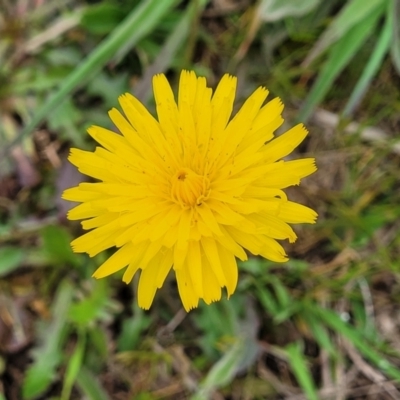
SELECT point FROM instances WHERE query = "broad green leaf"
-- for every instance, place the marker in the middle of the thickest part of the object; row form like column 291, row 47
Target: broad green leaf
column 140, row 22
column 340, row 55
column 10, row 259
column 56, row 244
column 65, row 120
column 355, row 12
column 373, row 65
column 66, row 114
column 275, row 10
column 102, row 18
column 91, row 307
column 48, row 356
column 301, row 371
column 108, row 87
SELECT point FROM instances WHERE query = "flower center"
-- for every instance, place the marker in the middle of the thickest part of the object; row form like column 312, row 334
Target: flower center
column 189, row 189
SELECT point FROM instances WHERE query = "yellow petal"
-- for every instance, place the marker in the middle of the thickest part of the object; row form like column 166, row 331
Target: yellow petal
column 284, row 144
column 187, row 293
column 212, row 289
column 86, row 242
column 165, row 264
column 259, row 245
column 240, row 125
column 295, row 213
column 269, row 113
column 117, row 261
column 101, row 220
column 194, row 265
column 273, row 227
column 135, row 262
column 147, row 283
column 230, row 269
column 288, row 173
column 228, row 242
column 167, row 109
column 77, row 194
column 210, row 249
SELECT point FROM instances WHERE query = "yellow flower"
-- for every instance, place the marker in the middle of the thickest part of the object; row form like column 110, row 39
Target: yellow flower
column 191, row 190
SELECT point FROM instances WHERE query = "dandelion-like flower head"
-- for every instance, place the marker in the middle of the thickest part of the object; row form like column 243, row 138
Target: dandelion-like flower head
column 190, row 190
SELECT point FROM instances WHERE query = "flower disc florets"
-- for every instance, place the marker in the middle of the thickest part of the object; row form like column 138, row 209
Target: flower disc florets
column 188, row 188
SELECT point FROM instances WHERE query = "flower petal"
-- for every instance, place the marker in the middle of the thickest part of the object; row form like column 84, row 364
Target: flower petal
column 117, row 261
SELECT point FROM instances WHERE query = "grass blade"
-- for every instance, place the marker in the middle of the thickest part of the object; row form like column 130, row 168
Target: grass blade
column 171, row 46
column 372, row 67
column 320, row 333
column 138, row 23
column 395, row 50
column 48, row 357
column 332, row 320
column 74, row 366
column 301, row 370
column 341, row 54
column 352, row 14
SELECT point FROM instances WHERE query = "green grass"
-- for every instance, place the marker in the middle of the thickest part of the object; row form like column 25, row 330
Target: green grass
column 291, row 329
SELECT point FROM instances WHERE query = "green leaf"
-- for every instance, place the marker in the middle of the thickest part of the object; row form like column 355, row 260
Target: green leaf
column 301, row 370
column 102, row 18
column 64, row 120
column 340, row 55
column 91, row 307
column 108, row 87
column 48, row 356
column 10, row 259
column 56, row 244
